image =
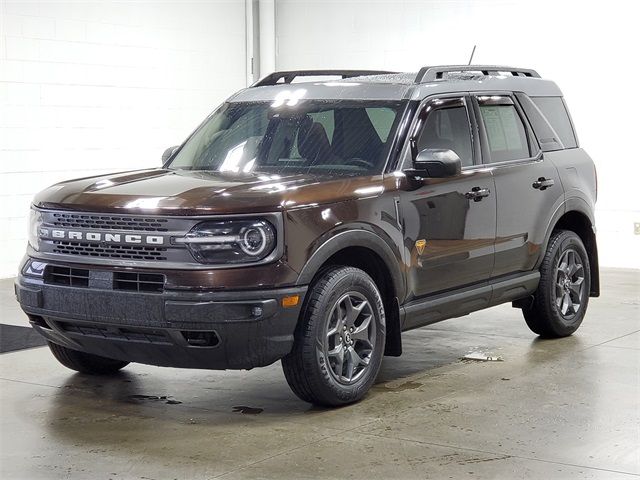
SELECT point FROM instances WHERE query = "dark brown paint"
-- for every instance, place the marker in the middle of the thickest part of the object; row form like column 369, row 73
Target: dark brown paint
column 459, row 233
column 181, row 192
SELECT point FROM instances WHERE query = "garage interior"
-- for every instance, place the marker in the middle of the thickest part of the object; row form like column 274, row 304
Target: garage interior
column 102, row 86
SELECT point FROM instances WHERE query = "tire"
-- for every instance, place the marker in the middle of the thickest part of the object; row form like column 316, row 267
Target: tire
column 85, row 362
column 315, row 370
column 561, row 300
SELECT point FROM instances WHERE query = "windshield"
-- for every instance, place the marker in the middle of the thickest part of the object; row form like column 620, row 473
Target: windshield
column 335, row 137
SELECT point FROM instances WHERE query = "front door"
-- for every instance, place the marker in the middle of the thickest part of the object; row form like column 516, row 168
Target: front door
column 449, row 223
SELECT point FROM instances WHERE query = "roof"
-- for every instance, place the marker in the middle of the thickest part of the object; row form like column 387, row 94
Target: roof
column 377, row 85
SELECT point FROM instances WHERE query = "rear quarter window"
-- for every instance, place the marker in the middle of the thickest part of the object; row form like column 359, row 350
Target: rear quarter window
column 554, row 109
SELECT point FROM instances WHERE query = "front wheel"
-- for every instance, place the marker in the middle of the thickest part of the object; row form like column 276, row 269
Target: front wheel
column 560, row 302
column 85, row 362
column 339, row 342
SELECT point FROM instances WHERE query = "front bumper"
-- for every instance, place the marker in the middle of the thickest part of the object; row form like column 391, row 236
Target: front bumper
column 187, row 329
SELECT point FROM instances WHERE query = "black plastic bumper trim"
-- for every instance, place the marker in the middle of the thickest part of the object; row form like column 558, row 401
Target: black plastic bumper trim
column 250, row 328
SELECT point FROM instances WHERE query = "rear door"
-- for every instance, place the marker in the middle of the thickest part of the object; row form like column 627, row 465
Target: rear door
column 528, row 190
column 449, row 223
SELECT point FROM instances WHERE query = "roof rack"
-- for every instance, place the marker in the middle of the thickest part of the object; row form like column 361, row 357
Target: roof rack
column 288, row 76
column 429, row 74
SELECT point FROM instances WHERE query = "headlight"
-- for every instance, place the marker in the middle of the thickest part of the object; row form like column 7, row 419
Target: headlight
column 230, row 241
column 35, row 222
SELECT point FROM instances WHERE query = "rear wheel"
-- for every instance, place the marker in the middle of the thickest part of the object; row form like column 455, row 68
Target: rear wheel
column 560, row 302
column 85, row 362
column 339, row 341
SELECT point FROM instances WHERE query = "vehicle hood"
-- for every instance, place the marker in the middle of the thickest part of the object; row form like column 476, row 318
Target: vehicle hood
column 183, row 192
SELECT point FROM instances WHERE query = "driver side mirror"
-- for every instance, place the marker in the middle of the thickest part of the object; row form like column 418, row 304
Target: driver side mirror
column 437, row 163
column 168, row 152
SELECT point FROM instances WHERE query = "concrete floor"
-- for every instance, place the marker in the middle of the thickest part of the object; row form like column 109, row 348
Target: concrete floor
column 566, row 408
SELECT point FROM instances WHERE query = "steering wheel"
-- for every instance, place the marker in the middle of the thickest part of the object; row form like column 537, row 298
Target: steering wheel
column 359, row 162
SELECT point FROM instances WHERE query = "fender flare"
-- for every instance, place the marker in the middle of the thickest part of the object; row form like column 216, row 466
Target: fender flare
column 359, row 237
column 578, row 205
column 557, row 215
column 574, row 204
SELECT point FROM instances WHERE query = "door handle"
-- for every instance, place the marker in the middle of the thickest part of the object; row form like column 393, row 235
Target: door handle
column 543, row 183
column 476, row 194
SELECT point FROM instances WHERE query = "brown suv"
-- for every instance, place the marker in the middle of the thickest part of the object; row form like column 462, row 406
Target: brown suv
column 315, row 221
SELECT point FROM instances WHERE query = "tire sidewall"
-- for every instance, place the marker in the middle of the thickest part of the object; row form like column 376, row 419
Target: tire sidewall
column 560, row 324
column 356, row 281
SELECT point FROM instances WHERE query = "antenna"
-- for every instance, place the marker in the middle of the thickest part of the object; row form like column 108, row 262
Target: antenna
column 471, row 57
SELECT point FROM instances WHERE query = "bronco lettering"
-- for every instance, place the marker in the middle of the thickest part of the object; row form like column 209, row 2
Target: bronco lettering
column 102, row 237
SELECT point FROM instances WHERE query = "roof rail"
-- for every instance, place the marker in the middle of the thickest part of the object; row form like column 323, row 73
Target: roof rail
column 288, row 76
column 429, row 74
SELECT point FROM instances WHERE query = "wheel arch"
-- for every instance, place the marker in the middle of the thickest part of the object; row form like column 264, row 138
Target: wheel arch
column 367, row 251
column 578, row 218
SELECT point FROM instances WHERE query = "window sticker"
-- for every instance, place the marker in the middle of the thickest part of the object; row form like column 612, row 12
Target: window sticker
column 503, row 127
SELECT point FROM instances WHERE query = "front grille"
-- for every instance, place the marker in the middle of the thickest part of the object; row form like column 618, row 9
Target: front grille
column 146, row 335
column 128, row 252
column 71, row 277
column 109, row 222
column 102, row 238
column 138, row 282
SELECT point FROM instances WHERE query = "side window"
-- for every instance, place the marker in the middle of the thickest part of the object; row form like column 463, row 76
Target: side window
column 448, row 128
column 553, row 108
column 505, row 131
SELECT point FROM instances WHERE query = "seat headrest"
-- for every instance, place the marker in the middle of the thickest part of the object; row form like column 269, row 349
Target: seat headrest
column 313, row 142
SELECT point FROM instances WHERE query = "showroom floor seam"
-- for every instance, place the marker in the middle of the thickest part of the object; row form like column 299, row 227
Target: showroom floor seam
column 604, row 344
column 279, row 454
column 502, row 454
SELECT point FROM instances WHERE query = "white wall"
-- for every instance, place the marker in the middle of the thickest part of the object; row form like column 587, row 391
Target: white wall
column 95, row 86
column 98, row 85
column 589, row 48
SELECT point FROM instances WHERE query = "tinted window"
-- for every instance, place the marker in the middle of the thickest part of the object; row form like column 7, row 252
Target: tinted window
column 506, row 133
column 548, row 139
column 333, row 136
column 448, row 128
column 554, row 109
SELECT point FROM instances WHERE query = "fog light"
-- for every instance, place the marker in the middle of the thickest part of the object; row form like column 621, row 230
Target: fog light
column 34, row 268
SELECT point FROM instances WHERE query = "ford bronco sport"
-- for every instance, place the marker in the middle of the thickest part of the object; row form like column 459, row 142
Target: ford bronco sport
column 315, row 216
